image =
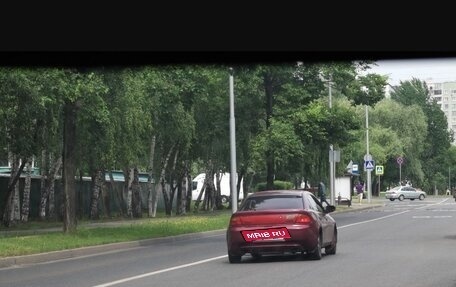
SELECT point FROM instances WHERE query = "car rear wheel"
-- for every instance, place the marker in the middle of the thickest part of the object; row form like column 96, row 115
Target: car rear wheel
column 392, row 199
column 316, row 253
column 331, row 250
column 401, row 197
column 421, row 197
column 256, row 256
column 234, row 258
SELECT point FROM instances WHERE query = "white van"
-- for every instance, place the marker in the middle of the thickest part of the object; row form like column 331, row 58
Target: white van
column 225, row 186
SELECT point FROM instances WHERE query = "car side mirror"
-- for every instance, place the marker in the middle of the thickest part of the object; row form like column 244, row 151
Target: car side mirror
column 330, row 208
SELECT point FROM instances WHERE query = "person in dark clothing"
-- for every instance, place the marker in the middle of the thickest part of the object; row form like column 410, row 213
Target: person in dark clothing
column 322, row 192
column 360, row 191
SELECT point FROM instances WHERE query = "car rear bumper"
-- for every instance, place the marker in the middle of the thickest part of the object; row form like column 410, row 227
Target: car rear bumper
column 302, row 239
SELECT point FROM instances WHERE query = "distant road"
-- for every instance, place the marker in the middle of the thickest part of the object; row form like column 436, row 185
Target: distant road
column 406, row 244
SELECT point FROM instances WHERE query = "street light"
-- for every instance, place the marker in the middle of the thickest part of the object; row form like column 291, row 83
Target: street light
column 368, row 157
column 332, row 157
column 233, row 174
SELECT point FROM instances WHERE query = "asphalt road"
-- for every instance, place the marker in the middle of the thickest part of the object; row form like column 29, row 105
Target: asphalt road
column 408, row 243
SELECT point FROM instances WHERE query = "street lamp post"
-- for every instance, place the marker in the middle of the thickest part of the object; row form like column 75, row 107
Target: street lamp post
column 368, row 157
column 234, row 200
column 332, row 165
column 369, row 185
column 334, row 155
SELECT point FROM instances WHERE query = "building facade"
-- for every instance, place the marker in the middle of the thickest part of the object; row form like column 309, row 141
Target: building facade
column 444, row 94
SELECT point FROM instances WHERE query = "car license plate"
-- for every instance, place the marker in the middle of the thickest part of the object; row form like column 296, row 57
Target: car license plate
column 266, row 234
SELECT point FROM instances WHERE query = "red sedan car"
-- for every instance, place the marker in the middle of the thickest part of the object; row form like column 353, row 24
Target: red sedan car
column 280, row 222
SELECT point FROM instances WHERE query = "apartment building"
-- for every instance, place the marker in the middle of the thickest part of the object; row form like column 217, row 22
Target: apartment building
column 444, row 94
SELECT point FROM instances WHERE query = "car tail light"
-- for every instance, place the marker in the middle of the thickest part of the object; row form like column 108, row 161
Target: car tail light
column 235, row 221
column 302, row 218
column 270, row 218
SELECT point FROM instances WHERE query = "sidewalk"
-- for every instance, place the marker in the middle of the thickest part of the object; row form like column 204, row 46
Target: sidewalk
column 92, row 250
column 355, row 205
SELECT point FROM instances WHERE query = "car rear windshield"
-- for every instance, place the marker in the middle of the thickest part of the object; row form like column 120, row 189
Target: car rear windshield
column 272, row 202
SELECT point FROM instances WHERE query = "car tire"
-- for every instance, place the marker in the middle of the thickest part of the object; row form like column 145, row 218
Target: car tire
column 256, row 256
column 224, row 199
column 392, row 199
column 234, row 258
column 401, row 197
column 421, row 197
column 331, row 249
column 316, row 253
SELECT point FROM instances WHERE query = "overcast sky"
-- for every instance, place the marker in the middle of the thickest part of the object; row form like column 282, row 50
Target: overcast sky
column 437, row 69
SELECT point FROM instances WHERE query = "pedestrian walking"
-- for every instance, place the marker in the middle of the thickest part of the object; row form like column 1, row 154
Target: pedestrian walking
column 359, row 191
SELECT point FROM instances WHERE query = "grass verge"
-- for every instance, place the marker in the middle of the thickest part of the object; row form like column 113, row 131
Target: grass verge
column 16, row 242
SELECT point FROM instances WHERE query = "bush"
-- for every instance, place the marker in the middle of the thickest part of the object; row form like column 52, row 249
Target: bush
column 277, row 185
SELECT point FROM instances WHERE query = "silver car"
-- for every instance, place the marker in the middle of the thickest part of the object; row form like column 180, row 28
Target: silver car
column 405, row 192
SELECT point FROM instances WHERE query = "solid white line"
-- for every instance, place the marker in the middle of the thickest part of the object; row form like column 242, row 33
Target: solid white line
column 159, row 271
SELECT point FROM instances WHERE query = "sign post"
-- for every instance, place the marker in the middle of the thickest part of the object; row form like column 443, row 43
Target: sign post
column 379, row 172
column 368, row 167
column 399, row 161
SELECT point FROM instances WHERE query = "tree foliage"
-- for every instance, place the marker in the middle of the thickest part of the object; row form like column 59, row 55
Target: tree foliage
column 174, row 121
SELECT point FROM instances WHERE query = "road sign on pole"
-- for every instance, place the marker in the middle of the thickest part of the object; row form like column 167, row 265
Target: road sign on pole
column 355, row 169
column 369, row 165
column 379, row 170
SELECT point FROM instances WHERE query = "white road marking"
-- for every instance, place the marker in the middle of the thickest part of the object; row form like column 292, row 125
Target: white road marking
column 159, row 271
column 395, row 214
column 375, row 219
column 223, row 256
column 441, row 216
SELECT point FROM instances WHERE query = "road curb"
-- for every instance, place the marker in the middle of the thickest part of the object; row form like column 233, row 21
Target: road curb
column 93, row 250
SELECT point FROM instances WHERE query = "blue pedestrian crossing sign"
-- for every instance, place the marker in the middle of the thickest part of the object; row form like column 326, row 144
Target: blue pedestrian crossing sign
column 369, row 165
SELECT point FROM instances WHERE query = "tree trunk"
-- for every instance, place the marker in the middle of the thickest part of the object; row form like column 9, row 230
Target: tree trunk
column 25, row 210
column 174, row 182
column 51, row 185
column 43, row 190
column 218, row 191
column 200, row 195
column 188, row 196
column 106, row 198
column 162, row 181
column 128, row 175
column 97, row 183
column 181, row 201
column 8, row 212
column 210, row 190
column 136, row 195
column 182, row 194
column 16, row 216
column 151, row 191
column 16, row 212
column 47, row 187
column 69, row 168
